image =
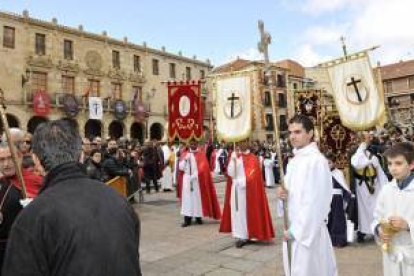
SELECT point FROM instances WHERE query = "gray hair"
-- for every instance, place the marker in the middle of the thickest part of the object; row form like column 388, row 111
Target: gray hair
column 56, row 142
column 17, row 136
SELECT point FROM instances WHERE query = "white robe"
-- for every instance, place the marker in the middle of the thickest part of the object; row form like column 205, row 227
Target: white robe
column 175, row 166
column 167, row 176
column 309, row 185
column 190, row 197
column 395, row 202
column 217, row 168
column 269, row 176
column 366, row 201
column 239, row 216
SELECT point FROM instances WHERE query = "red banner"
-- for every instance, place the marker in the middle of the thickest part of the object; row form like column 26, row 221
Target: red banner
column 41, row 103
column 185, row 110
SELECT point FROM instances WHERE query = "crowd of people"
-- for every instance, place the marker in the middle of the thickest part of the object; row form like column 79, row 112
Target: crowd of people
column 327, row 206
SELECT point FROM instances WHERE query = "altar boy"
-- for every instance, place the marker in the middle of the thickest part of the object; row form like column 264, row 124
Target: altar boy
column 395, row 208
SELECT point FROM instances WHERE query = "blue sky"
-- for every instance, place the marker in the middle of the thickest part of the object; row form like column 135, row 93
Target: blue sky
column 304, row 30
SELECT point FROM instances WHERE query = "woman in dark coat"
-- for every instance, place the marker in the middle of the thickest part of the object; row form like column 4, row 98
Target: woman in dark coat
column 93, row 166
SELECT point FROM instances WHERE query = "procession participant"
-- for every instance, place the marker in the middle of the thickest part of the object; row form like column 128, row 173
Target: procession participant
column 167, row 174
column 341, row 196
column 217, row 165
column 268, row 170
column 76, row 224
column 198, row 194
column 246, row 211
column 309, row 194
column 276, row 172
column 9, row 197
column 369, row 179
column 395, row 206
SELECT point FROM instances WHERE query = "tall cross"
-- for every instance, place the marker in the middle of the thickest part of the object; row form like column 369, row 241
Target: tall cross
column 354, row 83
column 232, row 99
column 263, row 46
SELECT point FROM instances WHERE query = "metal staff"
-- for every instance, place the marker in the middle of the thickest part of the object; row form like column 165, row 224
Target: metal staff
column 10, row 143
column 263, row 48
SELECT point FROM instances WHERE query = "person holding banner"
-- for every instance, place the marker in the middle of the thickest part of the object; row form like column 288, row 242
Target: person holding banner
column 198, row 194
column 309, row 192
column 246, row 211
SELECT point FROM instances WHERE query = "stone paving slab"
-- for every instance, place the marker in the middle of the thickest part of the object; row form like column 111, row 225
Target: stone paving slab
column 168, row 249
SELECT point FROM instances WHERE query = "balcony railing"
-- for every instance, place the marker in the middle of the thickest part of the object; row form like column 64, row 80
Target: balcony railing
column 57, row 101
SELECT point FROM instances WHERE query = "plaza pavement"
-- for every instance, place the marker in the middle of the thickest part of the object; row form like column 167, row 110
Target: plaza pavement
column 168, row 249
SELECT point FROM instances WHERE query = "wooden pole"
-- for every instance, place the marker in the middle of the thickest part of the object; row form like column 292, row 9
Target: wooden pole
column 10, row 143
column 263, row 48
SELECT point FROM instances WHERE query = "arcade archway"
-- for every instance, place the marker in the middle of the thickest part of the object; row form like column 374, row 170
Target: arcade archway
column 93, row 128
column 156, row 131
column 116, row 129
column 34, row 122
column 138, row 132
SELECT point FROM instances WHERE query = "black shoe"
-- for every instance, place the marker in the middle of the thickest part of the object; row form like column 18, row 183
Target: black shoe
column 241, row 243
column 360, row 237
column 199, row 221
column 185, row 224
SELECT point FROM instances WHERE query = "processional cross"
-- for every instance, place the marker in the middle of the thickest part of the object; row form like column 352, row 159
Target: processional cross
column 263, row 45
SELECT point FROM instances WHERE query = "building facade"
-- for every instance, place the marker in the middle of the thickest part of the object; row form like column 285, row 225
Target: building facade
column 36, row 55
column 398, row 83
column 296, row 81
column 263, row 128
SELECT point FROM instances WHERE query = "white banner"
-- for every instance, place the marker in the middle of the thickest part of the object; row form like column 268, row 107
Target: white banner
column 359, row 102
column 95, row 108
column 233, row 107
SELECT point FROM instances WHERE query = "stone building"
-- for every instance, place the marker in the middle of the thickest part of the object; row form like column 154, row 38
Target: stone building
column 398, row 82
column 261, row 104
column 296, row 81
column 39, row 56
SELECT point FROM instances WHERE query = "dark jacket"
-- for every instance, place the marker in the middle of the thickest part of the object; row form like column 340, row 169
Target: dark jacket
column 76, row 226
column 113, row 167
column 95, row 170
column 9, row 211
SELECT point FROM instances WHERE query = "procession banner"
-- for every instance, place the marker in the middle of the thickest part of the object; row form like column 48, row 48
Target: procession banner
column 336, row 139
column 359, row 101
column 234, row 108
column 185, row 115
column 308, row 103
column 95, row 108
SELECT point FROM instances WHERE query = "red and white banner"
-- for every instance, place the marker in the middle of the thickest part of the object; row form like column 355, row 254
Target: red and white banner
column 185, row 110
column 41, row 103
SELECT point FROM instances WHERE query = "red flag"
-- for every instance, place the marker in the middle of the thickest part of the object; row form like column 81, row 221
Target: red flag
column 185, row 110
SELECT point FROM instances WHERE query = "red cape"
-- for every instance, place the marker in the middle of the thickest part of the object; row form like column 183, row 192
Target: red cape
column 259, row 220
column 209, row 201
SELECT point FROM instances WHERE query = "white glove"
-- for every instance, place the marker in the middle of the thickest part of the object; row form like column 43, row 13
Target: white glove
column 25, row 202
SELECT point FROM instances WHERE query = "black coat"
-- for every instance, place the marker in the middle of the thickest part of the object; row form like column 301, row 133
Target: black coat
column 9, row 211
column 113, row 167
column 76, row 226
column 95, row 170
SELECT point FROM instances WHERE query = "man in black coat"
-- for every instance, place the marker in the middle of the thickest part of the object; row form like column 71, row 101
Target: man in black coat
column 150, row 160
column 76, row 225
